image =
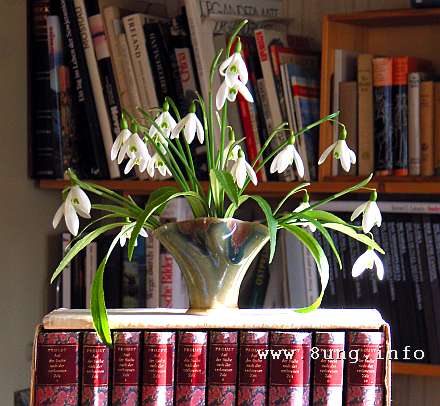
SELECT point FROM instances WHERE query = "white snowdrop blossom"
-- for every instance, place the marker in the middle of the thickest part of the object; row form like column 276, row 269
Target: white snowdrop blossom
column 305, row 205
column 118, row 144
column 341, row 151
column 234, row 68
column 371, row 214
column 165, row 122
column 241, row 169
column 126, row 231
column 286, row 157
column 156, row 162
column 230, row 92
column 76, row 202
column 190, row 125
column 368, row 260
column 137, row 153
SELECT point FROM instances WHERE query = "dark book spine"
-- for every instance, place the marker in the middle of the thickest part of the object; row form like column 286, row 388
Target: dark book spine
column 158, row 368
column 78, row 291
column 134, row 276
column 383, row 115
column 191, row 368
column 289, row 365
column 57, row 371
column 95, row 370
column 222, row 368
column 252, row 367
column 338, row 273
column 113, row 274
column 328, row 369
column 347, row 280
column 260, row 280
column 359, row 289
column 86, row 116
column 364, row 386
column 330, row 299
column 126, row 368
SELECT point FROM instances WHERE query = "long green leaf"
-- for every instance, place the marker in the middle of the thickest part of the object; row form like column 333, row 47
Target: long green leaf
column 353, row 234
column 292, row 192
column 81, row 244
column 321, row 261
column 110, row 208
column 227, row 182
column 272, row 223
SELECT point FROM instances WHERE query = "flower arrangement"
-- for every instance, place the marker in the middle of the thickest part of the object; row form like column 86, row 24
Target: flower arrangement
column 160, row 141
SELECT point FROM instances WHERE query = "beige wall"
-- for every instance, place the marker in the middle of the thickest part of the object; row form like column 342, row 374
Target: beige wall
column 25, row 212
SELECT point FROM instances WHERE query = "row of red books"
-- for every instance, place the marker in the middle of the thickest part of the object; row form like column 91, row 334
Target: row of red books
column 210, row 368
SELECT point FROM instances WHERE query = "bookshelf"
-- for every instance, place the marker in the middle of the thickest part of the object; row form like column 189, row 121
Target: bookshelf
column 413, row 369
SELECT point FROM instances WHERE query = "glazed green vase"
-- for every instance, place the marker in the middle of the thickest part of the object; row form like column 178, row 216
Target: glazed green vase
column 214, row 256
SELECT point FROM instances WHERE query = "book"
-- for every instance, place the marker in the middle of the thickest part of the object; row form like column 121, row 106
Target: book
column 158, row 368
column 328, row 368
column 126, row 367
column 437, row 128
column 191, row 368
column 153, row 272
column 113, row 272
column 362, row 388
column 66, row 276
column 383, row 115
column 252, row 368
column 90, row 266
column 289, row 379
column 95, row 370
column 57, row 369
column 365, row 114
column 222, row 368
column 427, row 128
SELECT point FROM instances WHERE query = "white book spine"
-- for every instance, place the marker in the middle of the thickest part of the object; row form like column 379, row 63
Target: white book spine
column 66, row 275
column 134, row 30
column 98, row 94
column 414, row 152
column 287, row 89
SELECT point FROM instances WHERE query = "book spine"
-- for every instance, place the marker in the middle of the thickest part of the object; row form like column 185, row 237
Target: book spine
column 66, row 276
column 95, row 370
column 166, row 278
column 222, row 368
column 90, row 266
column 414, row 123
column 158, row 370
column 363, row 386
column 191, row 368
column 437, row 128
column 126, row 367
column 86, row 115
column 289, row 381
column 97, row 89
column 252, row 368
column 400, row 115
column 427, row 128
column 57, row 371
column 366, row 115
column 134, row 276
column 383, row 115
column 328, row 369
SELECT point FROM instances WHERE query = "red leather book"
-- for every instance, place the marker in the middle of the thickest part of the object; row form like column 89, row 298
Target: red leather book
column 328, row 369
column 95, row 371
column 191, row 368
column 57, row 369
column 252, row 366
column 289, row 381
column 126, row 354
column 222, row 368
column 365, row 383
column 158, row 368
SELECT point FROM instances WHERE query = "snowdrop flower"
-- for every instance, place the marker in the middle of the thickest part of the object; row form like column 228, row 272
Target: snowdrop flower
column 230, row 92
column 230, row 153
column 126, row 230
column 138, row 153
column 371, row 213
column 234, row 68
column 76, row 202
column 165, row 122
column 241, row 169
column 156, row 162
column 286, row 157
column 305, row 205
column 366, row 261
column 340, row 151
column 120, row 140
column 190, row 125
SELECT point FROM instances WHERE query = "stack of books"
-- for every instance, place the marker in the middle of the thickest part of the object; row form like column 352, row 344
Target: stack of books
column 172, row 358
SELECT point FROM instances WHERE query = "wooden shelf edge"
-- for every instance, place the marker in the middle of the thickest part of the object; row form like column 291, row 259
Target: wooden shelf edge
column 414, row 369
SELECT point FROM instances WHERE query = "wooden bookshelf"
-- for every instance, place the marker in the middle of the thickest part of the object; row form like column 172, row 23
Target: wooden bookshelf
column 414, row 369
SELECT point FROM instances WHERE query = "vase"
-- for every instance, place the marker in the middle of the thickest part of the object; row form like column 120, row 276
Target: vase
column 214, row 255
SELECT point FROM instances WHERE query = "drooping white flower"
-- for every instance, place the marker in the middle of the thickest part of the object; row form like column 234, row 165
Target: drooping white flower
column 234, row 67
column 305, row 205
column 137, row 153
column 230, row 153
column 156, row 162
column 165, row 122
column 341, row 151
column 286, row 157
column 126, row 230
column 367, row 261
column 120, row 140
column 241, row 169
column 76, row 202
column 190, row 125
column 371, row 213
column 230, row 92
